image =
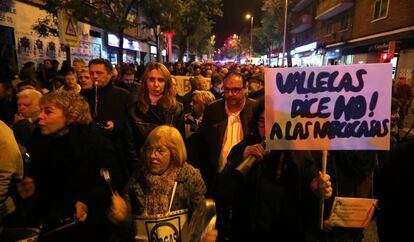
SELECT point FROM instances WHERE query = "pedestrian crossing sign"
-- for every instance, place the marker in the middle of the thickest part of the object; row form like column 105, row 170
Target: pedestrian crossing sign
column 68, row 29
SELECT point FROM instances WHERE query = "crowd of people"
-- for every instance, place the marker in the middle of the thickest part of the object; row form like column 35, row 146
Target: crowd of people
column 115, row 152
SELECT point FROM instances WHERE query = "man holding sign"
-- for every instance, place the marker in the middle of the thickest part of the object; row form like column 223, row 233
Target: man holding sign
column 329, row 108
column 334, row 108
column 271, row 196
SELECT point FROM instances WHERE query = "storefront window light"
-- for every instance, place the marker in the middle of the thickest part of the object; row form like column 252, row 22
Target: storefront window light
column 308, row 47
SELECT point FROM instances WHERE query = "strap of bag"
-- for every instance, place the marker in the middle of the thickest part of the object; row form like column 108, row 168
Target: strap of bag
column 172, row 196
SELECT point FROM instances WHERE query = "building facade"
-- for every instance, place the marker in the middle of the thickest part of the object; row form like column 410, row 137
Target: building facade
column 19, row 43
column 354, row 32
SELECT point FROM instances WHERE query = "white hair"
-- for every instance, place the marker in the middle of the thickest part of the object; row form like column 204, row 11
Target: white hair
column 33, row 94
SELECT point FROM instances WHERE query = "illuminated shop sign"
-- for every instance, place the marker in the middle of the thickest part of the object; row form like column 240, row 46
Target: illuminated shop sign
column 308, row 47
column 153, row 49
column 113, row 40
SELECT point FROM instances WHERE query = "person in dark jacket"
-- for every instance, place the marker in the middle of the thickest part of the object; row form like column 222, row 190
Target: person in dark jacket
column 223, row 120
column 8, row 102
column 64, row 177
column 109, row 106
column 271, row 197
column 256, row 87
column 156, row 104
column 217, row 88
column 396, row 180
column 127, row 81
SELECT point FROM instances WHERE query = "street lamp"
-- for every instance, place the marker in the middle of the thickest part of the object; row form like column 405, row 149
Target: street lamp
column 212, row 43
column 249, row 16
column 158, row 32
column 284, row 34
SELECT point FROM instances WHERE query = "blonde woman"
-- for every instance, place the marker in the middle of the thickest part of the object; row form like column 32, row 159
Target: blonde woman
column 156, row 103
column 165, row 188
column 64, row 178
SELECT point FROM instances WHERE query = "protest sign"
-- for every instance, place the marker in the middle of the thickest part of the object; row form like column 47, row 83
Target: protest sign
column 352, row 212
column 161, row 227
column 328, row 108
column 183, row 84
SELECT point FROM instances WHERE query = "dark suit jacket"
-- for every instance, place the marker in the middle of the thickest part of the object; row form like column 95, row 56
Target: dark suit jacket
column 211, row 135
column 216, row 94
column 113, row 103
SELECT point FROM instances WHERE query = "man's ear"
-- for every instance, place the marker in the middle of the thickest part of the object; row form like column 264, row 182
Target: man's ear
column 246, row 89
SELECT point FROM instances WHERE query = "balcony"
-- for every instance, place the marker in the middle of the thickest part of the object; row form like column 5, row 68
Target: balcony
column 305, row 23
column 328, row 9
column 301, row 5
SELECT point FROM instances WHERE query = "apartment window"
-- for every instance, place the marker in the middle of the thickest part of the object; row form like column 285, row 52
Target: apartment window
column 381, row 9
column 344, row 22
column 328, row 28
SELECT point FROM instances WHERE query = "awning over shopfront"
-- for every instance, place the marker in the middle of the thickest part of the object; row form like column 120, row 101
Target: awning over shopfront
column 373, row 42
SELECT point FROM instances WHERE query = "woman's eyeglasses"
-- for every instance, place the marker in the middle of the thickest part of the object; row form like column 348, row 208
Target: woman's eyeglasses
column 158, row 150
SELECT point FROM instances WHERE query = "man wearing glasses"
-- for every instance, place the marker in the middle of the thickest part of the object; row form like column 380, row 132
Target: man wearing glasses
column 226, row 122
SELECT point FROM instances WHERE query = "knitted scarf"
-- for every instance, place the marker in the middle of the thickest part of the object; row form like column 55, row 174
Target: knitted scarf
column 160, row 189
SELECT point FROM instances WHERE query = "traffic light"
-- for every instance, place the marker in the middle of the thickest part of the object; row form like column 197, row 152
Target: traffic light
column 385, row 57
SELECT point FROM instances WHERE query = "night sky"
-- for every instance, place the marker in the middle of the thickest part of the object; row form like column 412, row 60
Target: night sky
column 233, row 20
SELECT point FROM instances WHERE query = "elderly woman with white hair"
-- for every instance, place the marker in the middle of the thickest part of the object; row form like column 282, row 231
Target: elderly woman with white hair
column 25, row 119
column 28, row 105
column 165, row 198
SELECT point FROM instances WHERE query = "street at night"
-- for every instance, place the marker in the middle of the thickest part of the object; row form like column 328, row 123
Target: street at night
column 206, row 120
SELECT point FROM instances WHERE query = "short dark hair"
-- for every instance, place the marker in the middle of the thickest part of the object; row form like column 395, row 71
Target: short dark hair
column 57, row 78
column 257, row 79
column 194, row 83
column 28, row 64
column 127, row 70
column 235, row 74
column 98, row 61
column 217, row 77
column 6, row 84
column 27, row 83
